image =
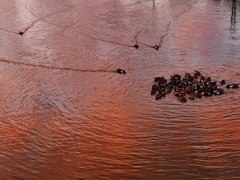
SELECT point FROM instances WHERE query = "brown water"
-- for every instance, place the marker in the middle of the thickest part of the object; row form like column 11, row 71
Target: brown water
column 65, row 114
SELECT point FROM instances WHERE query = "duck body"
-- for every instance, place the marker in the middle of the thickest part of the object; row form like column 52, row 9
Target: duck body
column 223, row 82
column 158, row 96
column 155, row 88
column 232, row 86
column 218, row 91
column 136, row 46
column 21, row 33
column 156, row 47
column 190, row 96
column 121, row 71
column 158, row 79
column 182, row 98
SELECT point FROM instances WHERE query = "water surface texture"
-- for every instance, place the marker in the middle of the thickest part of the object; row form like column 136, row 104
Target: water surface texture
column 65, row 114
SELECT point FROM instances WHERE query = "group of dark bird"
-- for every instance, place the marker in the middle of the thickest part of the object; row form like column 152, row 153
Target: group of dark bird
column 189, row 86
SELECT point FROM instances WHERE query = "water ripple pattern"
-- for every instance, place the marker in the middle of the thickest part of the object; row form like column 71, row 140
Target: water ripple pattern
column 66, row 114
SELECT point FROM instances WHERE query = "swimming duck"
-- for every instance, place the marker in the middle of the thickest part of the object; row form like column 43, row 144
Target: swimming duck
column 158, row 96
column 188, row 89
column 190, row 96
column 232, row 86
column 177, row 93
column 21, row 33
column 188, row 77
column 218, row 91
column 163, row 82
column 197, row 94
column 175, row 77
column 163, row 93
column 202, row 79
column 182, row 98
column 169, row 89
column 155, row 88
column 121, row 71
column 206, row 93
column 223, row 82
column 183, row 92
column 207, row 81
column 213, row 83
column 156, row 47
column 136, row 46
column 157, row 79
column 197, row 73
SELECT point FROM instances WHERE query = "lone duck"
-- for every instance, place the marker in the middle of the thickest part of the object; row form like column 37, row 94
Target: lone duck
column 223, row 82
column 136, row 46
column 121, row 71
column 156, row 47
column 21, row 33
column 232, row 86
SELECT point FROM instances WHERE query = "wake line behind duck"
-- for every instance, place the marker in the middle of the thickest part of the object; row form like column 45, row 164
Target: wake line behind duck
column 120, row 71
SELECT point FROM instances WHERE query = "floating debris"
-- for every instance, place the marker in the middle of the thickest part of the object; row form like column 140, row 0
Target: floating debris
column 189, row 86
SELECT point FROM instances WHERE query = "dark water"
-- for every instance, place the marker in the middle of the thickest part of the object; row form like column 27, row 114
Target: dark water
column 65, row 114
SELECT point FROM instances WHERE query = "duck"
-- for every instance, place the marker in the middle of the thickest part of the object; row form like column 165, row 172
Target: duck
column 157, row 79
column 121, row 71
column 191, row 96
column 163, row 93
column 223, row 82
column 188, row 89
column 169, row 89
column 197, row 73
column 136, row 46
column 206, row 93
column 232, row 86
column 218, row 91
column 21, row 33
column 197, row 94
column 202, row 79
column 188, row 77
column 155, row 88
column 175, row 77
column 162, row 82
column 156, row 47
column 158, row 96
column 207, row 81
column 182, row 98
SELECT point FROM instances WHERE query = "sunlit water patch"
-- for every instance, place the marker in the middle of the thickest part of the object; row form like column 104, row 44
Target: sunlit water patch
column 65, row 112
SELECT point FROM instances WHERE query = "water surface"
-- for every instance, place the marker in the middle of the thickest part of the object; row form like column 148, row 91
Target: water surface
column 66, row 114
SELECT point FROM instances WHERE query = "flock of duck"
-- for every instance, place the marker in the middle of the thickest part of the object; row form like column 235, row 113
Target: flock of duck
column 189, row 86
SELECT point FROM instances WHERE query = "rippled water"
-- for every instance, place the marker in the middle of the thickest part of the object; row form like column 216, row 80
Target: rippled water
column 66, row 114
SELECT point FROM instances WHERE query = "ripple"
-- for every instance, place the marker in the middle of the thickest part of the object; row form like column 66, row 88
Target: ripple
column 65, row 111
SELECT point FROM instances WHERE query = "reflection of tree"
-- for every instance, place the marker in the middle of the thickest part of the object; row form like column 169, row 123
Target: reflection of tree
column 233, row 15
